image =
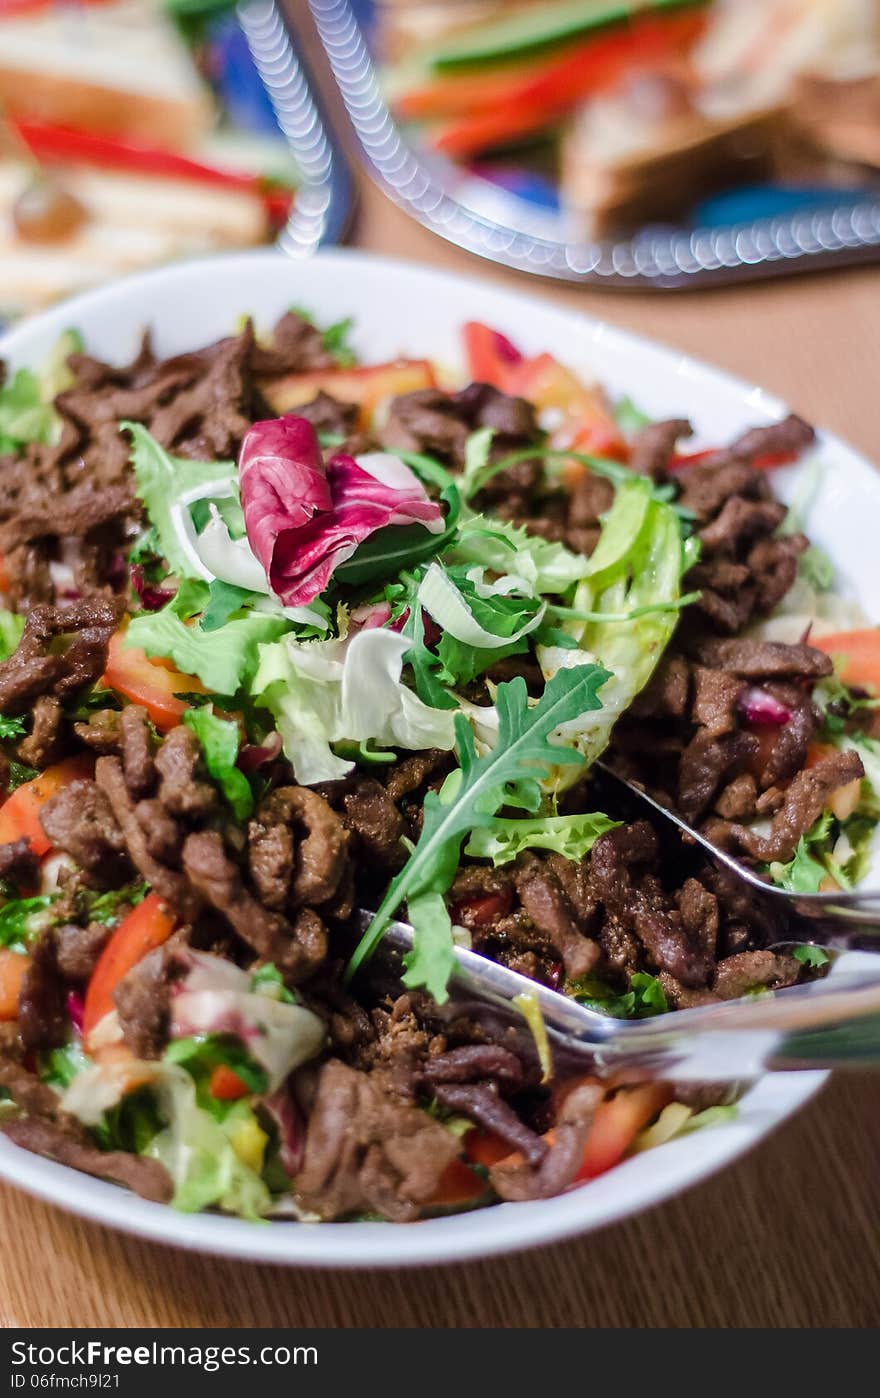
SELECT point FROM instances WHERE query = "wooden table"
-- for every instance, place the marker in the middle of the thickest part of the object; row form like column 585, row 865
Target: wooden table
column 789, row 1236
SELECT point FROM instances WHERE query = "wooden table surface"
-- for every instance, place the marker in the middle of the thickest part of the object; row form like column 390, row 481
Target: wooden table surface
column 789, row 1236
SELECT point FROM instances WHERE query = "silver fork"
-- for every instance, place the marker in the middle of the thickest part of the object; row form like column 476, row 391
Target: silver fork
column 860, row 906
column 834, row 1022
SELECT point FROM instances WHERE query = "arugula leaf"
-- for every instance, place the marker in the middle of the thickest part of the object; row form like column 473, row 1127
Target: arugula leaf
column 168, row 486
column 805, row 872
column 59, row 1066
column 11, row 727
column 645, row 997
column 431, row 962
column 219, row 739
column 470, row 796
column 224, row 600
column 17, row 920
column 11, row 629
column 24, row 417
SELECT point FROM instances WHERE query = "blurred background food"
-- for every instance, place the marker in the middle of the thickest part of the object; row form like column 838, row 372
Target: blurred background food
column 620, row 114
column 131, row 132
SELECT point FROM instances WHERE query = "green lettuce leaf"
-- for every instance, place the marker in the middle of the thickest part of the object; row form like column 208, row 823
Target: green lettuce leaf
column 346, row 690
column 639, row 562
column 219, row 740
column 508, row 549
column 169, row 486
column 24, row 417
column 224, row 659
column 11, row 629
column 571, row 836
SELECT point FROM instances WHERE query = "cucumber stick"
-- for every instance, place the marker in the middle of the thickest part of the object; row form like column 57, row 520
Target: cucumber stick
column 542, row 26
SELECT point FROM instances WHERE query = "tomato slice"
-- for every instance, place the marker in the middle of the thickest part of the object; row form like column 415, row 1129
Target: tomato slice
column 225, row 1084
column 13, row 966
column 143, row 929
column 152, row 683
column 859, row 655
column 617, row 1122
column 458, row 1185
column 484, row 1147
column 20, row 813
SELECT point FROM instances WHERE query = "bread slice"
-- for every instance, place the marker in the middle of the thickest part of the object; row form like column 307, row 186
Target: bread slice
column 119, row 67
column 135, row 222
column 619, row 171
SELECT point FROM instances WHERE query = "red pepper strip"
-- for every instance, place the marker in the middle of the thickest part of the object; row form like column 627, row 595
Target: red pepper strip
column 142, row 930
column 9, row 8
column 61, row 143
column 592, row 67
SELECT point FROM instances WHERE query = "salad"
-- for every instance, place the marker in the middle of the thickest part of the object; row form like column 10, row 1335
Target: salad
column 288, row 637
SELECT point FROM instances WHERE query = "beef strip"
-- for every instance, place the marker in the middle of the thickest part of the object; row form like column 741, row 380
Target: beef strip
column 803, row 804
column 297, row 948
column 18, row 863
column 653, row 445
column 79, row 820
column 45, row 742
column 78, row 949
column 366, row 1150
column 147, row 1178
column 762, row 660
column 483, row 1104
column 752, row 970
column 308, row 869
column 171, row 885
column 181, row 790
column 517, row 1179
column 545, row 901
column 143, row 1001
column 61, row 652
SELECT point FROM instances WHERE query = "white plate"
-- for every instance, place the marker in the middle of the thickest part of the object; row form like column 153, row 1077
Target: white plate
column 404, row 309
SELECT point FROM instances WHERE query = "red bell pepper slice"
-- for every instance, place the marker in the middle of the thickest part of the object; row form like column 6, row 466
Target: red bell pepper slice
column 546, row 93
column 225, row 1084
column 142, row 930
column 152, row 683
column 13, row 968
column 859, row 653
column 54, row 144
column 366, row 385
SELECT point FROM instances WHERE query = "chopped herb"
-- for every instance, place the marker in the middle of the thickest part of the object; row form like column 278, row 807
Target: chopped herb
column 645, row 997
column 205, row 1052
column 19, row 774
column 108, row 908
column 268, row 980
column 810, row 956
column 19, row 920
column 11, row 727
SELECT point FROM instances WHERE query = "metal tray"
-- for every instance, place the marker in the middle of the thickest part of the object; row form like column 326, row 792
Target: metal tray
column 471, row 213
